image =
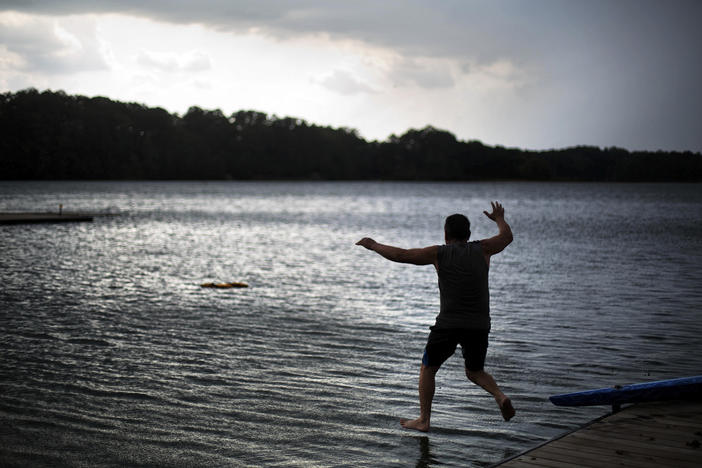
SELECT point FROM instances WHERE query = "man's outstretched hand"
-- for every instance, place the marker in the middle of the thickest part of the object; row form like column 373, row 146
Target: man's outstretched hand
column 498, row 212
column 366, row 242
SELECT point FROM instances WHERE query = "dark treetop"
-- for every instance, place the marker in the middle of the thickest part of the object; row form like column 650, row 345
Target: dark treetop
column 52, row 135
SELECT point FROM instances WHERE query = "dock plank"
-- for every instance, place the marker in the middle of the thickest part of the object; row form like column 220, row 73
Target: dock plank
column 646, row 435
column 604, row 457
column 541, row 461
column 663, row 435
column 575, row 445
column 601, row 458
column 34, row 218
column 624, row 442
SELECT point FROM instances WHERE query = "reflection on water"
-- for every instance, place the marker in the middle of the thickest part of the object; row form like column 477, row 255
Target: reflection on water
column 425, row 457
column 112, row 354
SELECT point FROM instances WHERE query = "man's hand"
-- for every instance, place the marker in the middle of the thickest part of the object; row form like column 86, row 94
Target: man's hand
column 497, row 212
column 367, row 242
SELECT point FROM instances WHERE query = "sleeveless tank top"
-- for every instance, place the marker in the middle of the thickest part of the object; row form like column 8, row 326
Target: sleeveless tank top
column 463, row 287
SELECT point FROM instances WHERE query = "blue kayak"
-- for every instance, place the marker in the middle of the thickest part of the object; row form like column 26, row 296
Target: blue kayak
column 673, row 389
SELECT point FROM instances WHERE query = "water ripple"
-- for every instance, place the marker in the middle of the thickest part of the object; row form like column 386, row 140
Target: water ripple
column 112, row 354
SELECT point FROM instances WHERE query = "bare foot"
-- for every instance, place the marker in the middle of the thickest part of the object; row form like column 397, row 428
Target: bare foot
column 506, row 408
column 416, row 424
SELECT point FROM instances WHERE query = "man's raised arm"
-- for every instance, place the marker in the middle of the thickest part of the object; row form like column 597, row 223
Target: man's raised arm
column 497, row 244
column 425, row 256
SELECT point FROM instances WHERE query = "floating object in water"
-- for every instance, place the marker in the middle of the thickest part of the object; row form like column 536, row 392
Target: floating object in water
column 233, row 284
column 683, row 388
column 33, row 218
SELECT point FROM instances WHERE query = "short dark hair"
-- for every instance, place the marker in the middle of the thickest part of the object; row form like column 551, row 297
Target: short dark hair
column 457, row 227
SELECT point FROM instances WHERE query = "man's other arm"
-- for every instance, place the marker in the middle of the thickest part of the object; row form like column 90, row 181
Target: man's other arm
column 497, row 244
column 423, row 256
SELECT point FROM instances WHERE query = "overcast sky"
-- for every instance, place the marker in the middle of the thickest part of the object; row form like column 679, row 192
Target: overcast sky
column 532, row 74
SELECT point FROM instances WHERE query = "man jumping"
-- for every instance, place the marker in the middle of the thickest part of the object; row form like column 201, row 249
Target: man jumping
column 464, row 316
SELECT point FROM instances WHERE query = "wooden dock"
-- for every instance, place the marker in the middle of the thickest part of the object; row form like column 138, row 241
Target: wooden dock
column 27, row 218
column 646, row 435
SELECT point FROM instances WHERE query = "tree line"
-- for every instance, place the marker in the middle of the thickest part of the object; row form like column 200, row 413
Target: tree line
column 52, row 135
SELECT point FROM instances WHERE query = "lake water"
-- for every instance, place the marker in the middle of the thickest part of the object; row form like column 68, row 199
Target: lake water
column 112, row 354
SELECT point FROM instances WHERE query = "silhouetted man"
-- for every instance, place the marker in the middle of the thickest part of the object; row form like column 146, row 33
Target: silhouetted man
column 464, row 316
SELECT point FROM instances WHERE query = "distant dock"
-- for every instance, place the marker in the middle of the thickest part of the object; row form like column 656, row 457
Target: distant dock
column 32, row 218
column 647, row 435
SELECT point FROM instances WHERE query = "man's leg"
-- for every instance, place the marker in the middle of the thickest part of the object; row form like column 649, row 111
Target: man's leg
column 475, row 345
column 426, row 395
column 486, row 381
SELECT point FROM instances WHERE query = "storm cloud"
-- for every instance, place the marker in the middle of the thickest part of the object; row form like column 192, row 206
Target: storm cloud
column 624, row 71
column 38, row 44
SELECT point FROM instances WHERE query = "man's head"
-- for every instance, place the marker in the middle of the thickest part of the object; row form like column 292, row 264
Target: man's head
column 456, row 228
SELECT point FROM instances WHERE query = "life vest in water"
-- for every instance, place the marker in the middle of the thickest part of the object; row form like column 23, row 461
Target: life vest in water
column 233, row 284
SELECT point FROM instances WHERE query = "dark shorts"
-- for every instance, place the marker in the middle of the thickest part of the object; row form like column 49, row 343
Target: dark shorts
column 442, row 344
